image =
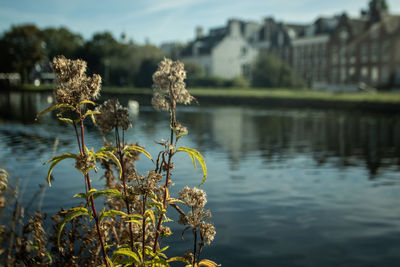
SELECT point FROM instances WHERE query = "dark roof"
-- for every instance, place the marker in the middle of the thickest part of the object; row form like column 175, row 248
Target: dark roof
column 357, row 26
column 204, row 44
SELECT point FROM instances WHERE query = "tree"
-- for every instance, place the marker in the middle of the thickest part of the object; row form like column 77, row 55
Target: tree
column 60, row 41
column 23, row 48
column 270, row 71
column 376, row 8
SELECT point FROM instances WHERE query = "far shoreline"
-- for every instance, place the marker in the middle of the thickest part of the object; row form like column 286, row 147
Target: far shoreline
column 277, row 97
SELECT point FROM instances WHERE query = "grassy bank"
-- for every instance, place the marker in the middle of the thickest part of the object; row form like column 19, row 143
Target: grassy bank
column 259, row 94
column 279, row 93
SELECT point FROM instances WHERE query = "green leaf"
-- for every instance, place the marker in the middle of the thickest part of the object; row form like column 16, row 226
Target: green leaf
column 55, row 160
column 104, row 192
column 107, row 148
column 62, row 156
column 126, row 252
column 135, row 221
column 181, row 259
column 81, row 195
column 71, row 214
column 89, row 113
column 208, row 263
column 105, row 214
column 149, row 213
column 53, row 107
column 137, row 148
column 66, row 120
column 193, row 153
column 87, row 102
column 111, row 156
column 110, row 263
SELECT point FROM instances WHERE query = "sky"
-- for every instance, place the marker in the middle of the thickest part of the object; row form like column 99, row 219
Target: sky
column 166, row 20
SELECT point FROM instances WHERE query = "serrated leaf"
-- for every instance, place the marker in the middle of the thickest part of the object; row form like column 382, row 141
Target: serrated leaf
column 126, row 252
column 181, row 259
column 111, row 213
column 53, row 107
column 193, row 153
column 137, row 148
column 71, row 214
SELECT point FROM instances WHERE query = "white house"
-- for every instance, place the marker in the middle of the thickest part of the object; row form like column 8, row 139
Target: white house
column 224, row 52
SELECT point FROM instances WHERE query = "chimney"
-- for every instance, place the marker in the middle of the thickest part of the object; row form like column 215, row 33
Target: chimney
column 199, row 32
column 234, row 27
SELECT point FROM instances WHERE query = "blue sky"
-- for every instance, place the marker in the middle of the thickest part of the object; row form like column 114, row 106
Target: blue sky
column 166, row 20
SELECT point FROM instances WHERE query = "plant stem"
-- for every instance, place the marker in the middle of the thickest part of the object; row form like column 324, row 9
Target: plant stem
column 95, row 216
column 194, row 246
column 165, row 193
column 128, row 209
column 80, row 151
column 144, row 228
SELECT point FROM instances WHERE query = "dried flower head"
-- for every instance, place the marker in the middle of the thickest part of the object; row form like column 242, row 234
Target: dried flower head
column 194, row 217
column 84, row 162
column 193, row 197
column 3, row 180
column 112, row 115
column 207, row 231
column 73, row 86
column 169, row 86
column 147, row 184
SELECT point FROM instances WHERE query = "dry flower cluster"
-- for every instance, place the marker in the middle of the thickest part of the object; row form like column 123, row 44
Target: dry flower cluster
column 73, row 86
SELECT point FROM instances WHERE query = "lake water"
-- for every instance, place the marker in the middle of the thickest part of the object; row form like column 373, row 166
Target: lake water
column 287, row 187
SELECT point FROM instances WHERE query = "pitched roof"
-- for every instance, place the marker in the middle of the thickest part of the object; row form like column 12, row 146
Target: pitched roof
column 204, row 44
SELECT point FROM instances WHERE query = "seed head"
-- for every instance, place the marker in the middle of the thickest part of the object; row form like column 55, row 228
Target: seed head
column 207, row 231
column 84, row 162
column 73, row 86
column 193, row 197
column 112, row 115
column 169, row 86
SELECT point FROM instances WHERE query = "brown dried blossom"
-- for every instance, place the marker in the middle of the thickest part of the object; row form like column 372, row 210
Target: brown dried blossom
column 169, row 86
column 112, row 115
column 84, row 162
column 193, row 197
column 194, row 217
column 207, row 231
column 147, row 185
column 73, row 86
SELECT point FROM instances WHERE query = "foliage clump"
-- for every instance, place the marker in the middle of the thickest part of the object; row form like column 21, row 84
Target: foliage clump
column 132, row 224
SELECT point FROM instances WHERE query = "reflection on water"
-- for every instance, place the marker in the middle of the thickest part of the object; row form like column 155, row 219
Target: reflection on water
column 287, row 187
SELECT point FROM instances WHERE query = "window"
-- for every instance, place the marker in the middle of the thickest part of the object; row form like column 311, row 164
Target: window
column 374, row 52
column 384, row 75
column 244, row 50
column 364, row 53
column 335, row 55
column 374, row 75
column 364, row 74
column 352, row 74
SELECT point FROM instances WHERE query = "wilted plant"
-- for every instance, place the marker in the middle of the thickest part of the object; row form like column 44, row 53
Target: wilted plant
column 131, row 224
